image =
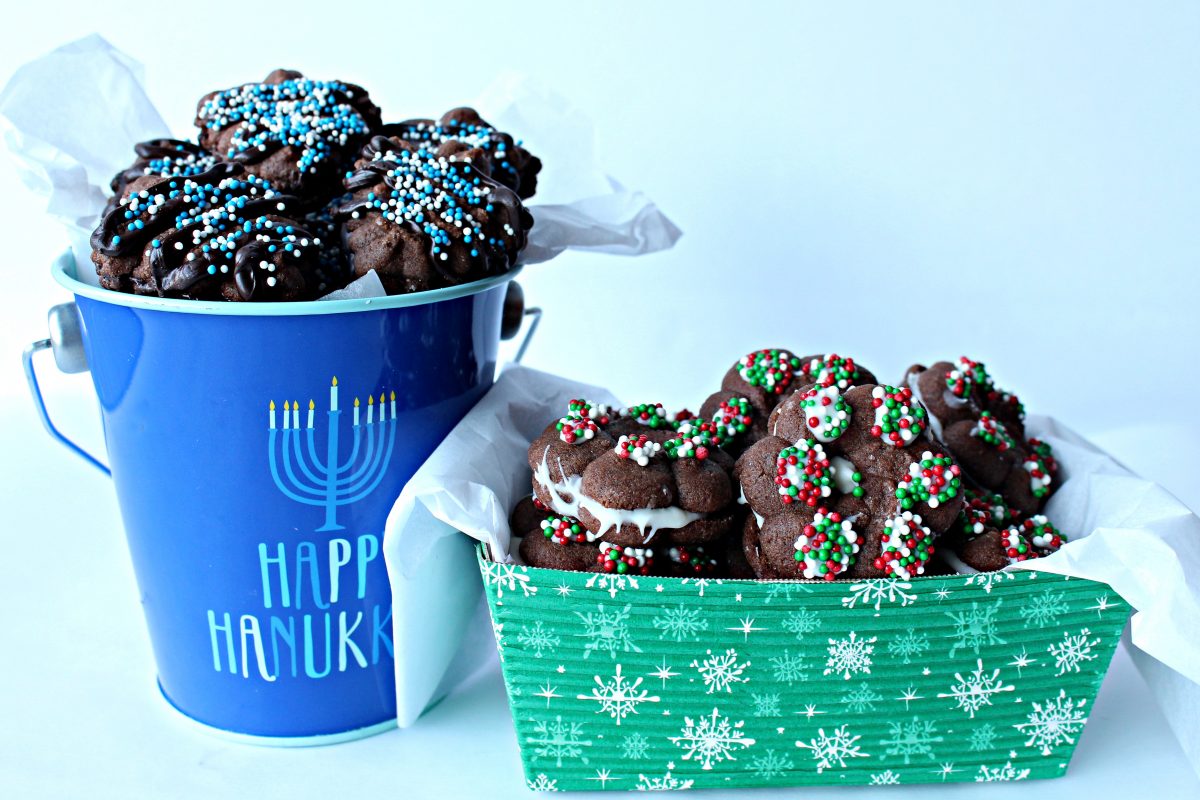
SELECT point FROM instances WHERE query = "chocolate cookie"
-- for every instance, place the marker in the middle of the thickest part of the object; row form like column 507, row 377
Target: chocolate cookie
column 296, row 133
column 423, row 220
column 164, row 158
column 220, row 235
column 492, row 151
column 983, row 428
column 851, row 485
column 527, row 516
column 658, row 480
column 996, row 549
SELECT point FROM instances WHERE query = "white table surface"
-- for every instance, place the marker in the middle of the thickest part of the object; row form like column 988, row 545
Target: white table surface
column 82, row 718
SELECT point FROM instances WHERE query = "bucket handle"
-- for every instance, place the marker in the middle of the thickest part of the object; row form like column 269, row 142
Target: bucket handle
column 66, row 343
column 514, row 313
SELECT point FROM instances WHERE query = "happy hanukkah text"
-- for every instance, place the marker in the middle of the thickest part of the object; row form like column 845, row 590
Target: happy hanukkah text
column 305, row 635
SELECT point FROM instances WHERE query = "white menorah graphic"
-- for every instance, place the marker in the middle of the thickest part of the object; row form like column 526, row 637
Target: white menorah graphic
column 328, row 483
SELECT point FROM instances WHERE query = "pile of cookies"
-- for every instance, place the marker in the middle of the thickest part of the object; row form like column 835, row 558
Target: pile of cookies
column 296, row 187
column 796, row 468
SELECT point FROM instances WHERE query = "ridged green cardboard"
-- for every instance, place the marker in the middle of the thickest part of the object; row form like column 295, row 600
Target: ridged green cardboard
column 619, row 682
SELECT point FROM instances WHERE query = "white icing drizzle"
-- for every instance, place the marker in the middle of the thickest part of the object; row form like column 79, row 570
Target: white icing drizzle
column 906, row 434
column 647, row 520
column 1012, row 540
column 639, row 454
column 843, row 474
column 1036, row 484
column 896, row 532
column 638, row 554
column 794, row 473
column 831, row 423
column 811, row 563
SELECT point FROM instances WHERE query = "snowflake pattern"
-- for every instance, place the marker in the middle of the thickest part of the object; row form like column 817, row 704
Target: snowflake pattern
column 909, row 645
column 788, row 668
column 507, row 578
column 975, row 627
column 877, row 591
column 618, row 697
column 613, row 582
column 766, row 704
column 711, row 739
column 680, row 623
column 986, row 580
column 1044, row 608
column 731, row 671
column 861, row 699
column 801, row 622
column 1055, row 722
column 1073, row 651
column 721, row 671
column 982, row 738
column 542, row 783
column 1006, row 773
column 830, row 750
column 908, row 739
column 667, row 783
column 850, row 655
column 975, row 691
column 770, row 765
column 538, row 638
column 558, row 740
column 635, row 747
column 701, row 583
column 782, row 591
column 606, row 631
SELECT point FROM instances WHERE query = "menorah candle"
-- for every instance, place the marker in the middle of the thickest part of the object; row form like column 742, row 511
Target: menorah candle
column 382, row 408
column 393, row 405
column 272, row 415
column 296, row 414
column 370, row 409
column 286, row 415
column 356, row 412
column 333, row 395
column 311, row 406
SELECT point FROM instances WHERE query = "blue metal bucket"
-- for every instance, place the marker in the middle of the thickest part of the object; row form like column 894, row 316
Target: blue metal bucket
column 256, row 450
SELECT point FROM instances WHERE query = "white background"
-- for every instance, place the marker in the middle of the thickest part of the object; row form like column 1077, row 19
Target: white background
column 899, row 183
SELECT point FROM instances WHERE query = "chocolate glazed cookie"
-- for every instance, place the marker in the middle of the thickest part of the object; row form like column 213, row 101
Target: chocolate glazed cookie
column 849, row 484
column 493, row 151
column 163, row 158
column 221, row 234
column 425, row 219
column 297, row 133
column 983, row 428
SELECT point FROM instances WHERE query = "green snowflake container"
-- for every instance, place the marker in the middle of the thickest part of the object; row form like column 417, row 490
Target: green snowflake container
column 619, row 682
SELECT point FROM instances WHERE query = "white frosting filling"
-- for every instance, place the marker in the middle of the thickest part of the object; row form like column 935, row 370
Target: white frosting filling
column 647, row 520
column 935, row 425
column 759, row 518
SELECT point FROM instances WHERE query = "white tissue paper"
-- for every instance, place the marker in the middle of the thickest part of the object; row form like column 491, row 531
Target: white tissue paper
column 469, row 484
column 71, row 118
column 1125, row 531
